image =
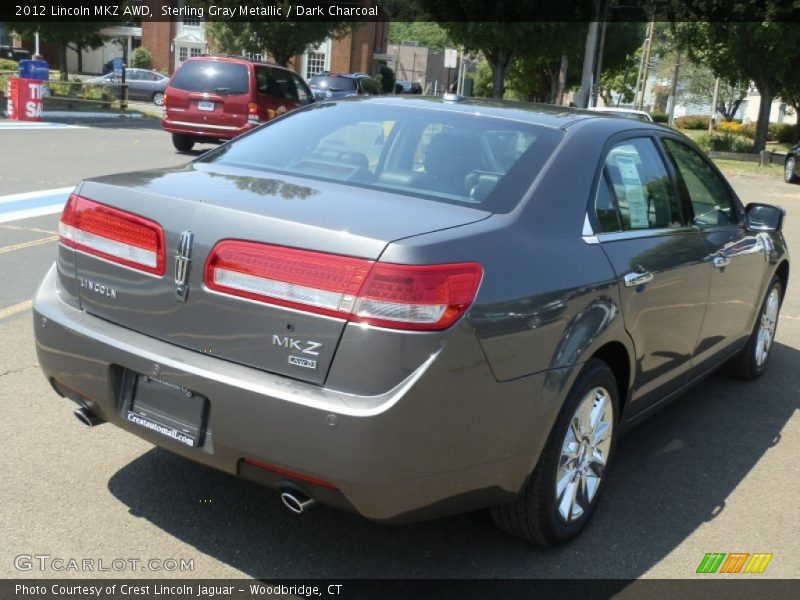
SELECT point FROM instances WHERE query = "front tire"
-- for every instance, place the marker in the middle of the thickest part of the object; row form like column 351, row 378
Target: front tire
column 751, row 361
column 789, row 166
column 564, row 489
column 182, row 142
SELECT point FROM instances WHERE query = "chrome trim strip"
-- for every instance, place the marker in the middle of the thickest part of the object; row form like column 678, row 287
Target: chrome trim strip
column 204, row 125
column 590, row 237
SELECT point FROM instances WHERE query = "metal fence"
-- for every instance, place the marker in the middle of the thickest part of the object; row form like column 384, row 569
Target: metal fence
column 70, row 95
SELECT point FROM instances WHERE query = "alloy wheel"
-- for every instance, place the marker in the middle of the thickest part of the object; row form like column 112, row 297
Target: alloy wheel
column 584, row 454
column 766, row 327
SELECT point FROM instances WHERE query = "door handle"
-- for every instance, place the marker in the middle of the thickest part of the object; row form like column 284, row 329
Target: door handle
column 635, row 278
column 721, row 261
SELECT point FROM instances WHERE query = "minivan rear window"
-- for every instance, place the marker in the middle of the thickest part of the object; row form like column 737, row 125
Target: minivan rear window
column 212, row 76
column 434, row 154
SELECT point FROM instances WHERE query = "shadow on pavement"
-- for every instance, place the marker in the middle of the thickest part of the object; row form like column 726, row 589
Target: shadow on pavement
column 672, row 474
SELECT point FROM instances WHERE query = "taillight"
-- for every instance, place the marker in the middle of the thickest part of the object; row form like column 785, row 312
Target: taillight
column 113, row 235
column 427, row 297
column 252, row 113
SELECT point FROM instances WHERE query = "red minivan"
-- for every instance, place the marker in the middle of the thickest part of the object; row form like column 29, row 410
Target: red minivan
column 216, row 98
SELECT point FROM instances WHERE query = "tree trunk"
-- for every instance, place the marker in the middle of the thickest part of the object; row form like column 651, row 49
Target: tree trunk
column 562, row 80
column 762, row 124
column 62, row 61
column 80, row 59
column 499, row 64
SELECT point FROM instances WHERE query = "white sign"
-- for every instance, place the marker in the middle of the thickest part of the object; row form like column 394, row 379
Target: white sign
column 450, row 58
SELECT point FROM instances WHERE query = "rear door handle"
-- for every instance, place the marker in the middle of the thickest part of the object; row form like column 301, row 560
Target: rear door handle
column 635, row 278
column 721, row 261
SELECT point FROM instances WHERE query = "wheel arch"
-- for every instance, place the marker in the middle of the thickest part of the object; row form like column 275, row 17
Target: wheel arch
column 782, row 273
column 617, row 357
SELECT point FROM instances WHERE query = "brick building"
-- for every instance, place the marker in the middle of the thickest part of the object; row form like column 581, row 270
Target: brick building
column 172, row 42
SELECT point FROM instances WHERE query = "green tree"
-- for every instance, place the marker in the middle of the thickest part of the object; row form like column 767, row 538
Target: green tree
column 499, row 29
column 281, row 39
column 140, row 58
column 766, row 53
column 429, row 35
column 79, row 34
column 699, row 89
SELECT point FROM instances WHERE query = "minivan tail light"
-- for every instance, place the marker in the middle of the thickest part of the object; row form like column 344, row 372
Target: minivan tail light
column 252, row 113
column 113, row 235
column 415, row 297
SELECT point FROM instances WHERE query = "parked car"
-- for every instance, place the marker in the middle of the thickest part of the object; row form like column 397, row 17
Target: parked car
column 214, row 98
column 342, row 85
column 411, row 307
column 791, row 168
column 625, row 113
column 11, row 53
column 407, row 87
column 143, row 84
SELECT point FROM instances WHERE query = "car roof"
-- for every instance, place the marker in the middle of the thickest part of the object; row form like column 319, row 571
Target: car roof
column 548, row 115
column 236, row 60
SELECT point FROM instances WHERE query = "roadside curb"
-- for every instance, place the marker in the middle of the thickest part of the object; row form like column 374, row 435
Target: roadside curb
column 66, row 114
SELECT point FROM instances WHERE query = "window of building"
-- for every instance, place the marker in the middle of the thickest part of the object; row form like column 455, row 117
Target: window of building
column 183, row 53
column 191, row 22
column 195, row 52
column 318, row 60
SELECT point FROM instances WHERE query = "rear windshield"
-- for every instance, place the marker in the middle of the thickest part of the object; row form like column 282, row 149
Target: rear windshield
column 435, row 154
column 334, row 84
column 211, row 76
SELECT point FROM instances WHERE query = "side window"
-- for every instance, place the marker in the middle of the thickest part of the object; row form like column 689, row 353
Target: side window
column 711, row 200
column 641, row 186
column 275, row 83
column 303, row 94
column 605, row 207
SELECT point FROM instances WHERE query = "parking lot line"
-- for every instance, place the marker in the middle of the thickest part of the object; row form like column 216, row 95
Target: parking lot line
column 17, row 308
column 34, row 125
column 23, row 245
column 32, row 204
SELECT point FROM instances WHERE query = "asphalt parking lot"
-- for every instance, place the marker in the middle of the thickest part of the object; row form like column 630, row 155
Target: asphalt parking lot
column 714, row 472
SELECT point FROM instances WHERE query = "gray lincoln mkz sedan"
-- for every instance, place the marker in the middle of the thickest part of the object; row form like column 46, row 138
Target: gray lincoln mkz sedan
column 410, row 307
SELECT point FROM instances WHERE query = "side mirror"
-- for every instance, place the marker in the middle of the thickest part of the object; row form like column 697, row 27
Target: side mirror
column 764, row 217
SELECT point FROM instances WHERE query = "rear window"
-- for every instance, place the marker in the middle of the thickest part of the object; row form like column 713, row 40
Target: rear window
column 334, row 84
column 435, row 154
column 212, row 76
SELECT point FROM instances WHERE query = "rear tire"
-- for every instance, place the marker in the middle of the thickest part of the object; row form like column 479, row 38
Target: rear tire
column 789, row 168
column 564, row 489
column 158, row 98
column 182, row 142
column 751, row 361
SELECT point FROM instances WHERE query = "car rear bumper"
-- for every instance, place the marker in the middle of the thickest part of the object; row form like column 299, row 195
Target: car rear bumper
column 204, row 130
column 445, row 440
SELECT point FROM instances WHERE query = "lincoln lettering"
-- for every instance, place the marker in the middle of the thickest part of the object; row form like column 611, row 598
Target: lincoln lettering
column 98, row 288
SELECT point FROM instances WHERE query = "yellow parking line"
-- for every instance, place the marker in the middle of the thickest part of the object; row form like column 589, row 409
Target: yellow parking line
column 31, row 229
column 17, row 308
column 22, row 245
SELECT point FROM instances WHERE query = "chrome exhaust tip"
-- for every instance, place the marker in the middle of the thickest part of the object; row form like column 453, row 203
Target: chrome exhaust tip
column 86, row 417
column 295, row 501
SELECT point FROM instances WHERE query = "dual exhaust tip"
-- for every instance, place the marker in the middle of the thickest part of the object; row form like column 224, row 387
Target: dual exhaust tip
column 295, row 501
column 86, row 417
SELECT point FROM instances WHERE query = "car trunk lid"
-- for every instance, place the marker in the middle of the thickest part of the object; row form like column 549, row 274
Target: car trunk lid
column 198, row 206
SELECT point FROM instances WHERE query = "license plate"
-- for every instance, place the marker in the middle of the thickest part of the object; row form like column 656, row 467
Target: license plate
column 165, row 408
column 205, row 105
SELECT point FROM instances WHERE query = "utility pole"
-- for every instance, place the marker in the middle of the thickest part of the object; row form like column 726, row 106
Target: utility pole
column 714, row 101
column 646, row 58
column 674, row 89
column 598, row 69
column 584, row 94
